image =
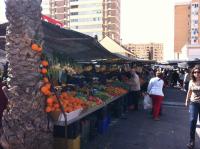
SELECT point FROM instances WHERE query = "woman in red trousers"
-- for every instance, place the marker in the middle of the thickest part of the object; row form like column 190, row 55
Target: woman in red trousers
column 155, row 90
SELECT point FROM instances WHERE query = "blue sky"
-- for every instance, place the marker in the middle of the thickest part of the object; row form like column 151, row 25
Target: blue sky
column 143, row 21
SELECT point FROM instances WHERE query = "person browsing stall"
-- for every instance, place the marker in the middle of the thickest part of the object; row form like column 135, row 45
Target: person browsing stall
column 134, row 94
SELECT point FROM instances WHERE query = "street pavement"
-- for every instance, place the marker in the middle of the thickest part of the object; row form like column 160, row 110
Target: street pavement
column 174, row 96
column 140, row 131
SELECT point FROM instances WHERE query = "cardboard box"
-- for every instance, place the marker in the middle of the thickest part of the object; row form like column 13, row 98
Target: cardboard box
column 73, row 143
column 60, row 143
column 70, row 115
column 64, row 143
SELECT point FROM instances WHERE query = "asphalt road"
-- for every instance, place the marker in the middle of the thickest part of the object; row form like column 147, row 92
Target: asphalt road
column 139, row 131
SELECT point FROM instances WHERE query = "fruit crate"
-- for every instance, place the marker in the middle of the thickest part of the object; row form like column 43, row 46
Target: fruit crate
column 70, row 115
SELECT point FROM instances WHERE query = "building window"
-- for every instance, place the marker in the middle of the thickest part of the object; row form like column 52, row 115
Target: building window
column 74, row 13
column 74, row 6
column 74, row 20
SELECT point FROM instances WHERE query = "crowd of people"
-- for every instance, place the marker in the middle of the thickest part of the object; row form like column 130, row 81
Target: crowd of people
column 147, row 81
column 152, row 83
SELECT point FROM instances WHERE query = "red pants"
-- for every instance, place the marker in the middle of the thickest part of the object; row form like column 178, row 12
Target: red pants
column 156, row 101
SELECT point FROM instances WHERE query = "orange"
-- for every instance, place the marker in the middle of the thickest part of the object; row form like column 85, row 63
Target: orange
column 44, row 63
column 34, row 47
column 44, row 71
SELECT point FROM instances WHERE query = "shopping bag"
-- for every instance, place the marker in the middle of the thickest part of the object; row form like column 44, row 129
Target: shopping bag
column 147, row 102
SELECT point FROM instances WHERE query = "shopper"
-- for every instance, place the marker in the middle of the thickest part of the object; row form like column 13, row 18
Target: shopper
column 155, row 90
column 193, row 97
column 175, row 78
column 186, row 80
column 134, row 94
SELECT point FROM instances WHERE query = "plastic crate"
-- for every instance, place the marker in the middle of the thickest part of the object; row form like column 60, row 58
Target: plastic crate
column 93, row 126
column 85, row 133
column 59, row 131
column 73, row 131
column 103, row 125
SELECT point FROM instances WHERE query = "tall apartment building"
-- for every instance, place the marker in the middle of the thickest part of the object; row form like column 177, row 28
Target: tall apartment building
column 187, row 29
column 181, row 26
column 97, row 18
column 151, row 51
column 59, row 10
column 46, row 7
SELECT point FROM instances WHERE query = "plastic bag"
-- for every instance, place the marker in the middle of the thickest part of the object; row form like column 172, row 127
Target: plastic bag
column 147, row 102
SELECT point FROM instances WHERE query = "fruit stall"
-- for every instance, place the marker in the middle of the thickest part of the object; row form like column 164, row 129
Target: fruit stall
column 81, row 85
column 84, row 92
column 81, row 104
column 54, row 84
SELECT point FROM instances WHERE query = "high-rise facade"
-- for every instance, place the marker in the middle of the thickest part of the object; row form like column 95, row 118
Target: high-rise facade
column 181, row 26
column 111, row 19
column 97, row 18
column 46, row 7
column 59, row 10
column 151, row 51
column 187, row 28
column 86, row 16
column 194, row 22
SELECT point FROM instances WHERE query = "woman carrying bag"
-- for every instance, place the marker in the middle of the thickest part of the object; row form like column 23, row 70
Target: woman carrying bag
column 155, row 90
column 193, row 100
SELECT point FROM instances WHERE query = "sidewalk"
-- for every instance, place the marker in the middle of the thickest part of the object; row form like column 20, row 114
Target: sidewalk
column 139, row 131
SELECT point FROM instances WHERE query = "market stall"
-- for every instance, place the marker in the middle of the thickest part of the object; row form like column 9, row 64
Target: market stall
column 80, row 82
column 84, row 89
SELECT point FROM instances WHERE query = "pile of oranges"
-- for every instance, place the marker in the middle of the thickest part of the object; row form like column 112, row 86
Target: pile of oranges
column 69, row 102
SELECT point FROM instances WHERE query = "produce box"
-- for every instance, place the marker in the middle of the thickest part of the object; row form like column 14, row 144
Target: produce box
column 71, row 132
column 60, row 143
column 70, row 115
column 74, row 143
column 64, row 143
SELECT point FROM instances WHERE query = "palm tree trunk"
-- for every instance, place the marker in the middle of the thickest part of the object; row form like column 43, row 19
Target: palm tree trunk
column 25, row 123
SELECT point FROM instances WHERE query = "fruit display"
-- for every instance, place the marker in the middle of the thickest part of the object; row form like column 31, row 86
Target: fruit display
column 81, row 96
column 99, row 87
column 115, row 91
column 102, row 95
column 68, row 102
column 84, row 91
column 97, row 100
column 91, row 101
column 121, row 84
